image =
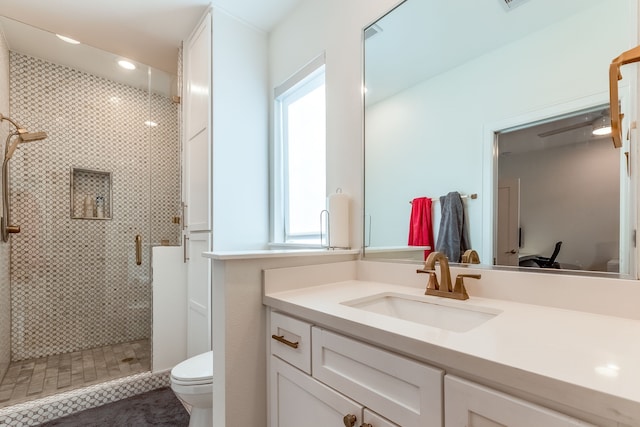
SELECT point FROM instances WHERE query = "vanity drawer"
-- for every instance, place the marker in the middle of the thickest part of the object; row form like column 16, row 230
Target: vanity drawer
column 291, row 341
column 406, row 392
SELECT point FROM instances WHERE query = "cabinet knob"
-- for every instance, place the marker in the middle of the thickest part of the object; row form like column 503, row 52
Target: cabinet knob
column 349, row 420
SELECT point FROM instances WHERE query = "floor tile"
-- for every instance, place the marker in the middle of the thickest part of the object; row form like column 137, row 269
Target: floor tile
column 34, row 378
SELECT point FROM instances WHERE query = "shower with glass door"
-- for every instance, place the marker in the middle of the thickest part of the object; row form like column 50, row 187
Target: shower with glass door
column 82, row 210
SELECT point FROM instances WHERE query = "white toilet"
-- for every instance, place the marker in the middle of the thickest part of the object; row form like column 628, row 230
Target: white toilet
column 192, row 381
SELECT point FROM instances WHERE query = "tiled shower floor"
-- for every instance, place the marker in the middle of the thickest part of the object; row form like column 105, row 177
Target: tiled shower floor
column 34, row 378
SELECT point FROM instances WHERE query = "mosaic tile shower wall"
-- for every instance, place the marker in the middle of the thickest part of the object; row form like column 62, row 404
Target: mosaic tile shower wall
column 75, row 282
column 165, row 172
column 5, row 307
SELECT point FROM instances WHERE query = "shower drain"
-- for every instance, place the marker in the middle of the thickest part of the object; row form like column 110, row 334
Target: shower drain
column 127, row 359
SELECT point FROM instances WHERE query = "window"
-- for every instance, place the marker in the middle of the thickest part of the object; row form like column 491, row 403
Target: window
column 299, row 190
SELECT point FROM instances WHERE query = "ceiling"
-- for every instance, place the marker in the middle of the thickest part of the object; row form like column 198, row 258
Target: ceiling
column 454, row 32
column 146, row 31
column 555, row 133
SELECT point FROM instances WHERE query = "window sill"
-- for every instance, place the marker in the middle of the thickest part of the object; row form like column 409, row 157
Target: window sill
column 278, row 253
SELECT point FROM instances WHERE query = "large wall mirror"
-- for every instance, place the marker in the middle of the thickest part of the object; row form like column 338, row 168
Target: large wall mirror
column 499, row 103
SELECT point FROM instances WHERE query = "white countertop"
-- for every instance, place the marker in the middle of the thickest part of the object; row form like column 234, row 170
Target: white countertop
column 580, row 360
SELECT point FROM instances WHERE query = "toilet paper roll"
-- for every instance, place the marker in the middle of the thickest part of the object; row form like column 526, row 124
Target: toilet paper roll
column 338, row 207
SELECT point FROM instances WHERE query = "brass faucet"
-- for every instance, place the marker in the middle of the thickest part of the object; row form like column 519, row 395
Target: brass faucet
column 444, row 289
column 470, row 256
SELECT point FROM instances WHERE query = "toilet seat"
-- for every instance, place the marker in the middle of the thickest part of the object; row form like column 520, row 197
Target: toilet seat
column 188, row 383
column 196, row 370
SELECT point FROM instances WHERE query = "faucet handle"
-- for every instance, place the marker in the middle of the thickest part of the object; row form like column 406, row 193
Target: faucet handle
column 459, row 286
column 433, row 279
column 433, row 282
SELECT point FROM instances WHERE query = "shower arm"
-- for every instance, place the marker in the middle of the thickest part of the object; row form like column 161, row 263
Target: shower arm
column 13, row 122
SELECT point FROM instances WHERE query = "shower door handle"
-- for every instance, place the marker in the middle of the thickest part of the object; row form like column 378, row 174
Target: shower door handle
column 138, row 249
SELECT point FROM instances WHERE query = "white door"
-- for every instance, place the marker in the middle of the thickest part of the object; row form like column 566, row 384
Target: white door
column 197, row 157
column 508, row 221
column 297, row 399
column 471, row 405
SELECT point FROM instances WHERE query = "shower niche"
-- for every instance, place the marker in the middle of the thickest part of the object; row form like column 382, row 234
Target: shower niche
column 91, row 194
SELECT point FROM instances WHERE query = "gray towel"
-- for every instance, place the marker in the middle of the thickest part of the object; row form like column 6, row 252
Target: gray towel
column 453, row 237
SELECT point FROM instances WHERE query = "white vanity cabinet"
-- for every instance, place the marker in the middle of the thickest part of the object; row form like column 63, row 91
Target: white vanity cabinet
column 469, row 404
column 348, row 378
column 320, row 378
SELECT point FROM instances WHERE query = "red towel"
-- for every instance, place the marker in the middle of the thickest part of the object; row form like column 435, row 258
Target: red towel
column 421, row 224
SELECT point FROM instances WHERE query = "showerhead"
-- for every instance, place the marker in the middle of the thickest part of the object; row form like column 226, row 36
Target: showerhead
column 32, row 136
column 23, row 136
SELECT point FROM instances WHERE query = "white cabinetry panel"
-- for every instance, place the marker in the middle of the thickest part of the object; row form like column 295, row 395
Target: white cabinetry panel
column 471, row 405
column 198, row 195
column 198, row 79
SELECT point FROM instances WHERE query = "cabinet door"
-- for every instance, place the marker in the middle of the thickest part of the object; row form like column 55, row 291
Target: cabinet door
column 374, row 420
column 471, row 405
column 198, row 294
column 296, row 399
column 197, row 122
column 400, row 389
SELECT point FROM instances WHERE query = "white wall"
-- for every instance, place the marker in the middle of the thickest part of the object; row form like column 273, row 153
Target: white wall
column 335, row 27
column 240, row 337
column 587, row 220
column 428, row 140
column 240, row 128
column 5, row 290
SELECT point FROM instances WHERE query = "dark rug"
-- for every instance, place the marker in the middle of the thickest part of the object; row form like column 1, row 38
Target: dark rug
column 154, row 408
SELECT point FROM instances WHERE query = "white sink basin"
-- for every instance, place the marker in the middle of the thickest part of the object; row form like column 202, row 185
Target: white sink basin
column 456, row 317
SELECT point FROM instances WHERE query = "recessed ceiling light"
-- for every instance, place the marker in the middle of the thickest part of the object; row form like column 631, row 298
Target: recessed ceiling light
column 601, row 126
column 126, row 64
column 67, row 39
column 602, row 131
column 150, row 123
